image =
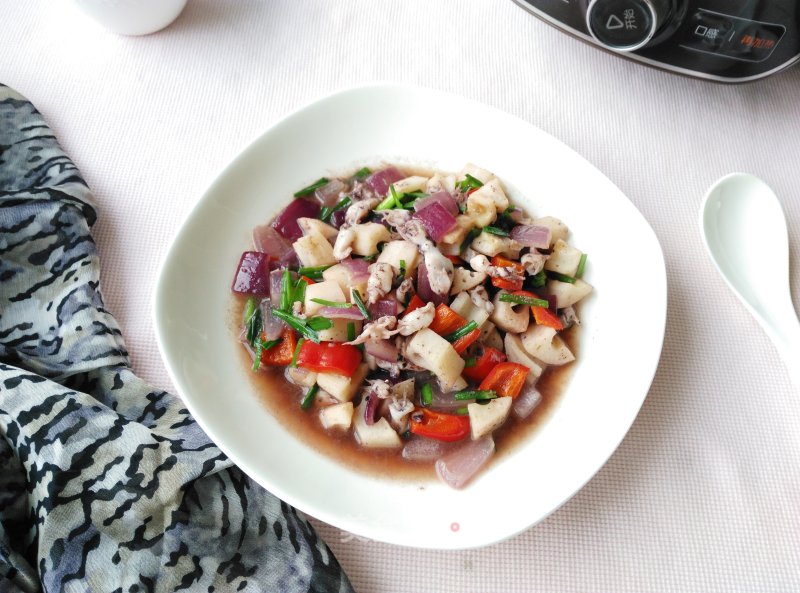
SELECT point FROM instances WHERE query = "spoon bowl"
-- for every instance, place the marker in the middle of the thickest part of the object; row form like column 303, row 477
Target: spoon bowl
column 744, row 232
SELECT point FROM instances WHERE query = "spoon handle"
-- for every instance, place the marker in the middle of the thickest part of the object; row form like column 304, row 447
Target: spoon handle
column 787, row 342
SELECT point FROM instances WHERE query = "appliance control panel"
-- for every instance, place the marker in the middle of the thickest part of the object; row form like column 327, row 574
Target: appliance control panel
column 720, row 40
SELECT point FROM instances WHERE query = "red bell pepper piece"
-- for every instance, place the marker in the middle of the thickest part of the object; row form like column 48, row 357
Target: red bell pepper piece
column 506, row 379
column 446, row 321
column 329, row 357
column 439, row 426
column 489, row 359
column 544, row 316
column 465, row 342
column 507, row 283
column 280, row 355
column 455, row 259
column 413, row 304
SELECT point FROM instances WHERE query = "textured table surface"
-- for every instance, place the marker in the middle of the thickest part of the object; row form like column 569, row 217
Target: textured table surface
column 704, row 492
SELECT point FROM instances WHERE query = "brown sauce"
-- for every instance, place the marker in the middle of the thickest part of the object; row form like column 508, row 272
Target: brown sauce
column 282, row 400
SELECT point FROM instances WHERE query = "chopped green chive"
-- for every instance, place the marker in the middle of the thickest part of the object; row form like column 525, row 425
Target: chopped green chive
column 337, row 304
column 561, row 277
column 362, row 173
column 299, row 325
column 286, row 290
column 296, row 352
column 469, row 182
column 470, row 362
column 495, row 231
column 470, row 238
column 393, row 192
column 327, row 211
column 538, row 280
column 351, row 331
column 308, row 398
column 461, row 332
column 360, row 303
column 254, row 325
column 581, row 266
column 310, row 189
column 314, row 273
column 299, row 292
column 389, row 202
column 524, row 300
column 476, row 394
column 319, row 323
column 462, row 411
column 259, row 349
column 249, row 309
column 426, row 394
column 403, row 268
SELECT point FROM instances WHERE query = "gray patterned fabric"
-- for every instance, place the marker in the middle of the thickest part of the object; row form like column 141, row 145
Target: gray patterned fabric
column 106, row 484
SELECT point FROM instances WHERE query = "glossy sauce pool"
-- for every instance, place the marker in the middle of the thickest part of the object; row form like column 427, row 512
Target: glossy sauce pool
column 282, row 400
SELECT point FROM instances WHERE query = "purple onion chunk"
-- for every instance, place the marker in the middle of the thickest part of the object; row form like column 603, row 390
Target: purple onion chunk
column 383, row 307
column 380, row 181
column 441, row 197
column 459, row 466
column 424, row 289
column 352, row 313
column 252, row 274
column 436, row 219
column 328, row 194
column 271, row 325
column 337, row 218
column 286, row 221
column 532, row 236
column 526, row 402
column 423, row 449
column 382, row 349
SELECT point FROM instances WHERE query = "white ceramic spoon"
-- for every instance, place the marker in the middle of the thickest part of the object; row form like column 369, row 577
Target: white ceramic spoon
column 744, row 231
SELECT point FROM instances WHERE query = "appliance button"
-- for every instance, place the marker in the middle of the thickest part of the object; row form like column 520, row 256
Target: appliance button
column 731, row 37
column 623, row 25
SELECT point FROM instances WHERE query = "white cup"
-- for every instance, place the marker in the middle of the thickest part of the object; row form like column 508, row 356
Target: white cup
column 133, row 17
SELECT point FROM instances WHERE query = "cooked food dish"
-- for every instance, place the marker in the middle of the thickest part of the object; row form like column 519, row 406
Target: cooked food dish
column 414, row 311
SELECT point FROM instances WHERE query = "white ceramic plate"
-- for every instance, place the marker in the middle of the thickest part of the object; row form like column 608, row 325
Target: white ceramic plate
column 620, row 341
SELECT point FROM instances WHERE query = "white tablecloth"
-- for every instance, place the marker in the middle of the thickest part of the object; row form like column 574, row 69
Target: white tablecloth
column 704, row 492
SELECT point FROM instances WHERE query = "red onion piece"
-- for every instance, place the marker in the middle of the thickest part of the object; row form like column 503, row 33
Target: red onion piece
column 383, row 307
column 338, row 313
column 424, row 290
column 286, row 221
column 532, row 236
column 441, row 197
column 436, row 219
column 517, row 215
column 337, row 218
column 382, row 349
column 267, row 240
column 272, row 326
column 380, row 181
column 371, row 408
column 358, row 269
column 328, row 194
column 252, row 274
column 526, row 401
column 443, row 401
column 422, row 449
column 458, row 466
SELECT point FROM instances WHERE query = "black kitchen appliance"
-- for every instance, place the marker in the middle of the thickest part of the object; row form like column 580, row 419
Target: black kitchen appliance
column 721, row 40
